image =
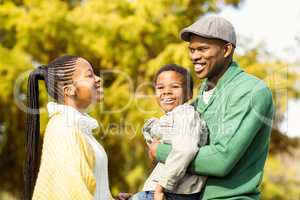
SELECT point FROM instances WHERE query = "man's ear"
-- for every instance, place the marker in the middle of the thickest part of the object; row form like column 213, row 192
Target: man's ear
column 69, row 90
column 228, row 50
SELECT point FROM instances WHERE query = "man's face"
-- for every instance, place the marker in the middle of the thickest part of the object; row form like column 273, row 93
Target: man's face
column 207, row 56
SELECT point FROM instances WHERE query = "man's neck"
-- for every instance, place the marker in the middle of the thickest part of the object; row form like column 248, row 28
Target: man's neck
column 212, row 82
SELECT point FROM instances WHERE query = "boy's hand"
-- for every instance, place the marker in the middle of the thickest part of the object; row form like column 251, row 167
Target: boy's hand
column 159, row 193
column 152, row 149
column 159, row 196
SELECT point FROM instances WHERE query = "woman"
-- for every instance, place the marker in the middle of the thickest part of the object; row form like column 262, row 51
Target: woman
column 73, row 164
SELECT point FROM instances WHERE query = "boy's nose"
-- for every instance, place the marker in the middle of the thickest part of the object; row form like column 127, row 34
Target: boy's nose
column 167, row 90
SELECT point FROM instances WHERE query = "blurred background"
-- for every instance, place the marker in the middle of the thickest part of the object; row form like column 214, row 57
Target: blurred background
column 127, row 41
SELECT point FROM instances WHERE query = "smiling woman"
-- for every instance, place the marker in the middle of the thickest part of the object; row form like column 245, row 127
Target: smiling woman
column 73, row 164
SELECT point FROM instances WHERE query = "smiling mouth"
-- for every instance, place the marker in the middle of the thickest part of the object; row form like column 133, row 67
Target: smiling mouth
column 167, row 100
column 199, row 67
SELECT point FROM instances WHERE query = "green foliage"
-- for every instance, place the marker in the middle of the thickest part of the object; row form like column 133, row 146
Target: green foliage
column 281, row 178
column 126, row 41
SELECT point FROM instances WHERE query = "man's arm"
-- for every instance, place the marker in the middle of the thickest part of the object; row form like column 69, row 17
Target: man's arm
column 249, row 112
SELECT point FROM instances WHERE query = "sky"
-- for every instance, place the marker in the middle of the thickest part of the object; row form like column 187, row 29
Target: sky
column 276, row 24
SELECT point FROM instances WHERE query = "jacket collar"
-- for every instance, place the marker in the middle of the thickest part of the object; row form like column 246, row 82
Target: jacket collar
column 83, row 122
column 232, row 71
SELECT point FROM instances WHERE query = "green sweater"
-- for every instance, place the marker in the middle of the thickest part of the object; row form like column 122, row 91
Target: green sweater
column 239, row 118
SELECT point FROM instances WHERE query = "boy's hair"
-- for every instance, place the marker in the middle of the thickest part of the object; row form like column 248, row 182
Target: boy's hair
column 187, row 78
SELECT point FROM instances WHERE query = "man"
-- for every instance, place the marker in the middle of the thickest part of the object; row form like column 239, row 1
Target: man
column 238, row 110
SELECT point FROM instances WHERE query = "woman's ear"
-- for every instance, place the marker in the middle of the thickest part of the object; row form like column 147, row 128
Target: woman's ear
column 228, row 50
column 69, row 90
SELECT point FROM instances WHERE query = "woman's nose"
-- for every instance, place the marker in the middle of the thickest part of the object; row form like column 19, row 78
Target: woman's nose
column 98, row 79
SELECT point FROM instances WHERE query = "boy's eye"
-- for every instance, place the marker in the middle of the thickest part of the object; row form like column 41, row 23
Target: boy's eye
column 159, row 87
column 176, row 86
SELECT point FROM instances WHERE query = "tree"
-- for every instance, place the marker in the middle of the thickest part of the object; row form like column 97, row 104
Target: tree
column 126, row 41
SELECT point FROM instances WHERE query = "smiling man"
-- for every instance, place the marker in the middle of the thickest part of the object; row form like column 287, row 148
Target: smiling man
column 238, row 110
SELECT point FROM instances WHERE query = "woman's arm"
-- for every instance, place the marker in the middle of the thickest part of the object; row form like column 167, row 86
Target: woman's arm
column 66, row 165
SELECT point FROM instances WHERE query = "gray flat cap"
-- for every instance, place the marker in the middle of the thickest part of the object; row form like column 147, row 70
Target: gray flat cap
column 210, row 27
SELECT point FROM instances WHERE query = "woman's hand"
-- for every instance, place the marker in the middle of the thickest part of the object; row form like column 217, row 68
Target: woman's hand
column 123, row 196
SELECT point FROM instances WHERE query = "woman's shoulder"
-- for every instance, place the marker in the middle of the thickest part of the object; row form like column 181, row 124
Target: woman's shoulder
column 60, row 127
column 57, row 122
column 60, row 130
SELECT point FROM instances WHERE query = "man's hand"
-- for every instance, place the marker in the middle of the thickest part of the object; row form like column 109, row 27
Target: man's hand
column 159, row 193
column 152, row 149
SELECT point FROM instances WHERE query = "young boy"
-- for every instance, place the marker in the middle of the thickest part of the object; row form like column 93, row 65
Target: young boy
column 182, row 127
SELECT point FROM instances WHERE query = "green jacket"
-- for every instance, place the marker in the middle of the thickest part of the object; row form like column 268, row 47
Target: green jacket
column 239, row 118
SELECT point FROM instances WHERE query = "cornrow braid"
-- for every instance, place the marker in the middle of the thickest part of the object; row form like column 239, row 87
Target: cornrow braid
column 56, row 74
column 59, row 74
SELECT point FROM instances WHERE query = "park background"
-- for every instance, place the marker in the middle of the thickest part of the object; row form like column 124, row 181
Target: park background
column 127, row 41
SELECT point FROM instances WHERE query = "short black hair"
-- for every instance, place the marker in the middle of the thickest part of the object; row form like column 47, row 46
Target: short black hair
column 187, row 78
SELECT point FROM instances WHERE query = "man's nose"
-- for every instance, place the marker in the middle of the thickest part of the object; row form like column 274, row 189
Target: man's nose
column 195, row 56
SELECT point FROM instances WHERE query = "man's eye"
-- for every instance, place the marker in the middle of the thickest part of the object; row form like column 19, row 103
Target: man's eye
column 192, row 50
column 203, row 49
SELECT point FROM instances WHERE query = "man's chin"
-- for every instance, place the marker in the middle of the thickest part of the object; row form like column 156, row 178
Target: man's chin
column 200, row 75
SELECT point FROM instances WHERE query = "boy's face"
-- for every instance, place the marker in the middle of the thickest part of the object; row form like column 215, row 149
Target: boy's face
column 170, row 90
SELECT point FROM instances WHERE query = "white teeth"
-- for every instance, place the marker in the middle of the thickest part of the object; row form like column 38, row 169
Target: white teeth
column 168, row 100
column 198, row 67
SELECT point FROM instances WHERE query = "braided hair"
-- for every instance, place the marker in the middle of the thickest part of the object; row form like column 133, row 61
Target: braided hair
column 56, row 74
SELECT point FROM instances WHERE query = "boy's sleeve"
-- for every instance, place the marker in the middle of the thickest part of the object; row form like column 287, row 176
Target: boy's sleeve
column 147, row 129
column 185, row 139
column 248, row 112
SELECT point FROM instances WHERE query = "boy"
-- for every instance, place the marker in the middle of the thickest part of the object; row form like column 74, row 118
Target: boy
column 182, row 127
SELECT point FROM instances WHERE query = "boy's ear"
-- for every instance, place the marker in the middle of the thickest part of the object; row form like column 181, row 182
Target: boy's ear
column 69, row 90
column 189, row 95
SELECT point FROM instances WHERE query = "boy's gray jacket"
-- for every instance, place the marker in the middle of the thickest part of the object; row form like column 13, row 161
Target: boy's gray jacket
column 186, row 132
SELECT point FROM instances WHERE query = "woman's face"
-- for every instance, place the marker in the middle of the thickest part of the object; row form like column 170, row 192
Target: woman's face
column 87, row 85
